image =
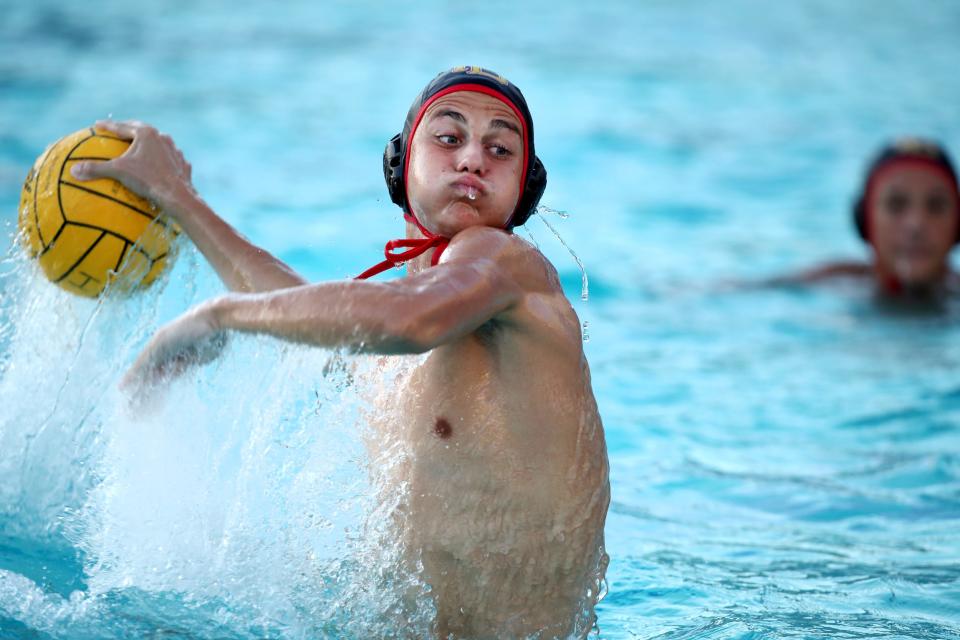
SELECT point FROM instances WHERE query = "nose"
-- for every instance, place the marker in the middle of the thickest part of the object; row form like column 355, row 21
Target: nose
column 915, row 220
column 470, row 158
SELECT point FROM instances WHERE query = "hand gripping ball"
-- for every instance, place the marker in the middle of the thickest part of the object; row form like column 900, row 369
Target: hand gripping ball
column 87, row 235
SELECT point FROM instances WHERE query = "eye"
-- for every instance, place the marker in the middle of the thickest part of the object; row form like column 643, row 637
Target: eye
column 895, row 203
column 447, row 139
column 937, row 205
column 500, row 151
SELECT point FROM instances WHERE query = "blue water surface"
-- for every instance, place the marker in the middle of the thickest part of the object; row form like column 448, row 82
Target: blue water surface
column 785, row 463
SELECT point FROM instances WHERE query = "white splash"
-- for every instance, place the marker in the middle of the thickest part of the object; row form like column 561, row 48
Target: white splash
column 241, row 492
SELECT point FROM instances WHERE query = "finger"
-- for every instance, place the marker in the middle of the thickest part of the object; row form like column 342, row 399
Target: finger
column 141, row 377
column 93, row 169
column 186, row 168
column 141, row 391
column 135, row 380
column 137, row 375
column 126, row 130
column 130, row 380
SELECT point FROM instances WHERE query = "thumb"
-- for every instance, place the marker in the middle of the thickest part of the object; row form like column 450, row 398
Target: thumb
column 92, row 169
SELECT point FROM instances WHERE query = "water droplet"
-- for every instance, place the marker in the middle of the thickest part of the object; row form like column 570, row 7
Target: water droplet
column 532, row 239
column 560, row 214
column 584, row 282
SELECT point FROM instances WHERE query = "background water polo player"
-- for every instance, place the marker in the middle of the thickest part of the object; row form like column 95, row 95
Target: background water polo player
column 908, row 212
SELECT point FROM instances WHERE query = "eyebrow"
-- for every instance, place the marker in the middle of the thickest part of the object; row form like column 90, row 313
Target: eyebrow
column 496, row 123
column 456, row 115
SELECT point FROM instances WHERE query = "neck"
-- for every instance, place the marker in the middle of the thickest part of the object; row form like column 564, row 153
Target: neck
column 421, row 262
column 890, row 285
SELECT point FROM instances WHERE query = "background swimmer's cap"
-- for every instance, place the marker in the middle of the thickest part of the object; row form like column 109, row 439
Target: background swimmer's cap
column 396, row 154
column 915, row 149
column 89, row 234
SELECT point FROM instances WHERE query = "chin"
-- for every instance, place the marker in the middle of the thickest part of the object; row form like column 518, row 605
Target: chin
column 458, row 217
column 920, row 275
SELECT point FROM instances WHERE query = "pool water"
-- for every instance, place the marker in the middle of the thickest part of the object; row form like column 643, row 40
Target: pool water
column 785, row 463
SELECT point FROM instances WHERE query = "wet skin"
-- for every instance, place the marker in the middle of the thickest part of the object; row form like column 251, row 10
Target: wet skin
column 505, row 468
column 912, row 225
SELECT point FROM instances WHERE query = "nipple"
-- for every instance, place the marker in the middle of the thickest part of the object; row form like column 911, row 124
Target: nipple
column 442, row 428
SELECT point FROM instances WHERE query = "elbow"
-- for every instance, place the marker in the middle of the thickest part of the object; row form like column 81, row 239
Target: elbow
column 417, row 324
column 413, row 335
column 434, row 312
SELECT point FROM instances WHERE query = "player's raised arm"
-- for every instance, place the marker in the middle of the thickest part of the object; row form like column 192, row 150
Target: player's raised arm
column 155, row 168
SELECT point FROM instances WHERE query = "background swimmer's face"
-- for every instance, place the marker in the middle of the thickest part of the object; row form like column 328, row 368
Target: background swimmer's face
column 913, row 222
column 466, row 157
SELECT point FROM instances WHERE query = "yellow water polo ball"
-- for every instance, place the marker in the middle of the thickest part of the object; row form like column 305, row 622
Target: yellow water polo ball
column 88, row 235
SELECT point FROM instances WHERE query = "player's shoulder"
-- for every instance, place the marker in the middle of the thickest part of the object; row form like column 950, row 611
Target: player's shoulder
column 519, row 259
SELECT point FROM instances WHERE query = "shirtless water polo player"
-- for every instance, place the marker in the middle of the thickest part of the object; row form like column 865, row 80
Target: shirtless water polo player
column 508, row 476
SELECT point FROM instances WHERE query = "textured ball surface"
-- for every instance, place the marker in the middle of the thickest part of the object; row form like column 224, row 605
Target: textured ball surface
column 87, row 235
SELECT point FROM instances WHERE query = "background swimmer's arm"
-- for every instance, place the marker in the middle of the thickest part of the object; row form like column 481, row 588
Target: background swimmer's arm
column 822, row 273
column 155, row 168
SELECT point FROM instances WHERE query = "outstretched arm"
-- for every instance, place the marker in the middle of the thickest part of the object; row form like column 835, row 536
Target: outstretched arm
column 822, row 273
column 155, row 168
column 410, row 315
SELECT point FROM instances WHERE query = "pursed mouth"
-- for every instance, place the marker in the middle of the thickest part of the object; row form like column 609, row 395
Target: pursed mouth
column 469, row 188
column 468, row 193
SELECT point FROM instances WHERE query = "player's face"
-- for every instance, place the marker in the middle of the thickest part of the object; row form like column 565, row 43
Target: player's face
column 913, row 223
column 466, row 158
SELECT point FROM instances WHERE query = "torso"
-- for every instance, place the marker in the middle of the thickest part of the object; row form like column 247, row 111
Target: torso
column 507, row 471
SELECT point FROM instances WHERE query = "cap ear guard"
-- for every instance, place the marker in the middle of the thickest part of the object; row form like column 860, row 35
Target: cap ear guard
column 905, row 148
column 473, row 79
column 393, row 170
column 860, row 216
column 533, row 186
column 533, row 189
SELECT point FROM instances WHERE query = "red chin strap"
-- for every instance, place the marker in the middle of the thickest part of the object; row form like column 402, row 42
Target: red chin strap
column 417, row 246
column 891, row 284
